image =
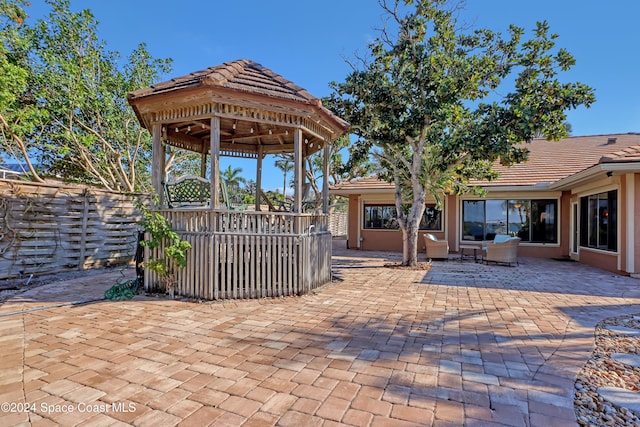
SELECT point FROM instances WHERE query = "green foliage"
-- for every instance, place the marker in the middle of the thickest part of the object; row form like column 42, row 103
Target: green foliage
column 426, row 103
column 248, row 193
column 65, row 99
column 19, row 115
column 232, row 179
column 160, row 231
column 339, row 169
column 342, row 170
column 232, row 176
column 93, row 135
column 13, row 12
column 182, row 162
column 276, row 196
column 285, row 163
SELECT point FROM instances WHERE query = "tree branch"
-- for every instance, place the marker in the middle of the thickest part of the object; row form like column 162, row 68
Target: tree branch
column 23, row 149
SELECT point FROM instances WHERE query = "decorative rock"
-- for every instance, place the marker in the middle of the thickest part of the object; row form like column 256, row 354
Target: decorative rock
column 623, row 330
column 621, row 397
column 616, row 339
column 627, row 359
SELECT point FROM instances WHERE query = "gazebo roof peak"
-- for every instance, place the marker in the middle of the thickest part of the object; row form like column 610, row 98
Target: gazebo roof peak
column 242, row 75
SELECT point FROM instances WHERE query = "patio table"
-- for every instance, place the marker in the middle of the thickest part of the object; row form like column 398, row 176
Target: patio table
column 475, row 249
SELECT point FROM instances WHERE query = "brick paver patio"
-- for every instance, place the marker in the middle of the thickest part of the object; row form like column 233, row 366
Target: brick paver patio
column 464, row 344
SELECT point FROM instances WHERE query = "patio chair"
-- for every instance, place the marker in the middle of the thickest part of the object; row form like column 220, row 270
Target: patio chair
column 503, row 249
column 438, row 249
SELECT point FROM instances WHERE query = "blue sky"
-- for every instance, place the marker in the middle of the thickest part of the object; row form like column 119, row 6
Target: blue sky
column 307, row 42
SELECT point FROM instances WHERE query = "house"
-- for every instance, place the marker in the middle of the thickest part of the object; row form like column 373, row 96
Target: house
column 577, row 198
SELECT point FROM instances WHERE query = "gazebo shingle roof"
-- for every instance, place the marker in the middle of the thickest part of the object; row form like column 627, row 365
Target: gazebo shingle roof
column 241, row 75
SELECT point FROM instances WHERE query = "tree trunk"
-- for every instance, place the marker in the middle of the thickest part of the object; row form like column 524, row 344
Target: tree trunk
column 410, row 224
column 411, row 234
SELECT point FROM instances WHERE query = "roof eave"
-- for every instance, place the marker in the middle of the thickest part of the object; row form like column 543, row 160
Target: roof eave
column 594, row 172
column 540, row 186
column 359, row 190
column 337, row 125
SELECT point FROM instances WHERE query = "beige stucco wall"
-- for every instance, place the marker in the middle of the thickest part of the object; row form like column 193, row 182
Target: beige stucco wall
column 600, row 259
column 352, row 238
column 625, row 260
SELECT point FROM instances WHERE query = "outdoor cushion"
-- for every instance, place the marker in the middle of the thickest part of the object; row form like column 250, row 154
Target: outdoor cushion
column 501, row 238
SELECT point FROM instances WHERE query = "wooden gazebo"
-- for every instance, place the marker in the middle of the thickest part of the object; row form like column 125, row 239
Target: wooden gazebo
column 242, row 109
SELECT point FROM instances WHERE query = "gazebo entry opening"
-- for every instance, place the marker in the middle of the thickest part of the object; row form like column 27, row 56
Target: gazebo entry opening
column 241, row 109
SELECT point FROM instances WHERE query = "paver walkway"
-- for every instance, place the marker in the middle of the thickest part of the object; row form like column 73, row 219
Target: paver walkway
column 464, row 344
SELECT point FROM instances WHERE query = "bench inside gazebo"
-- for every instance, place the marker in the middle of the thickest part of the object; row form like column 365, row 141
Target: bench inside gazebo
column 240, row 109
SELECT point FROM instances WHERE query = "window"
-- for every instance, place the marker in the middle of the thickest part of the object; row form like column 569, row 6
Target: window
column 599, row 221
column 473, row 220
column 380, row 217
column 543, row 221
column 531, row 220
column 431, row 219
column 383, row 217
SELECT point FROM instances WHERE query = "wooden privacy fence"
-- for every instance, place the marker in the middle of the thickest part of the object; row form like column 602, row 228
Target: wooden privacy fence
column 47, row 228
column 338, row 223
column 248, row 254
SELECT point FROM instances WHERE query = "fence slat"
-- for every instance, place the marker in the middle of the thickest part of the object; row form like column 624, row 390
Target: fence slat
column 77, row 227
column 245, row 264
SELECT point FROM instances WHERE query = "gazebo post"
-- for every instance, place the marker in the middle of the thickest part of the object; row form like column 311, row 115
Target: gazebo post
column 203, row 165
column 304, row 188
column 297, row 170
column 215, row 160
column 325, row 179
column 158, row 159
column 259, row 177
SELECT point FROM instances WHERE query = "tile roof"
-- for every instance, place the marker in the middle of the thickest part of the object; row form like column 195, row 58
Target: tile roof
column 242, row 75
column 368, row 184
column 549, row 161
column 629, row 154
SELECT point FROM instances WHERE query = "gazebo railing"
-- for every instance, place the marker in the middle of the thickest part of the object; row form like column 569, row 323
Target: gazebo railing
column 245, row 254
column 199, row 220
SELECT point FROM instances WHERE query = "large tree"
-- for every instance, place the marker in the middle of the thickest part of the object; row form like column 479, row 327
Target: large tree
column 285, row 164
column 232, row 178
column 437, row 104
column 92, row 133
column 69, row 105
column 19, row 116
